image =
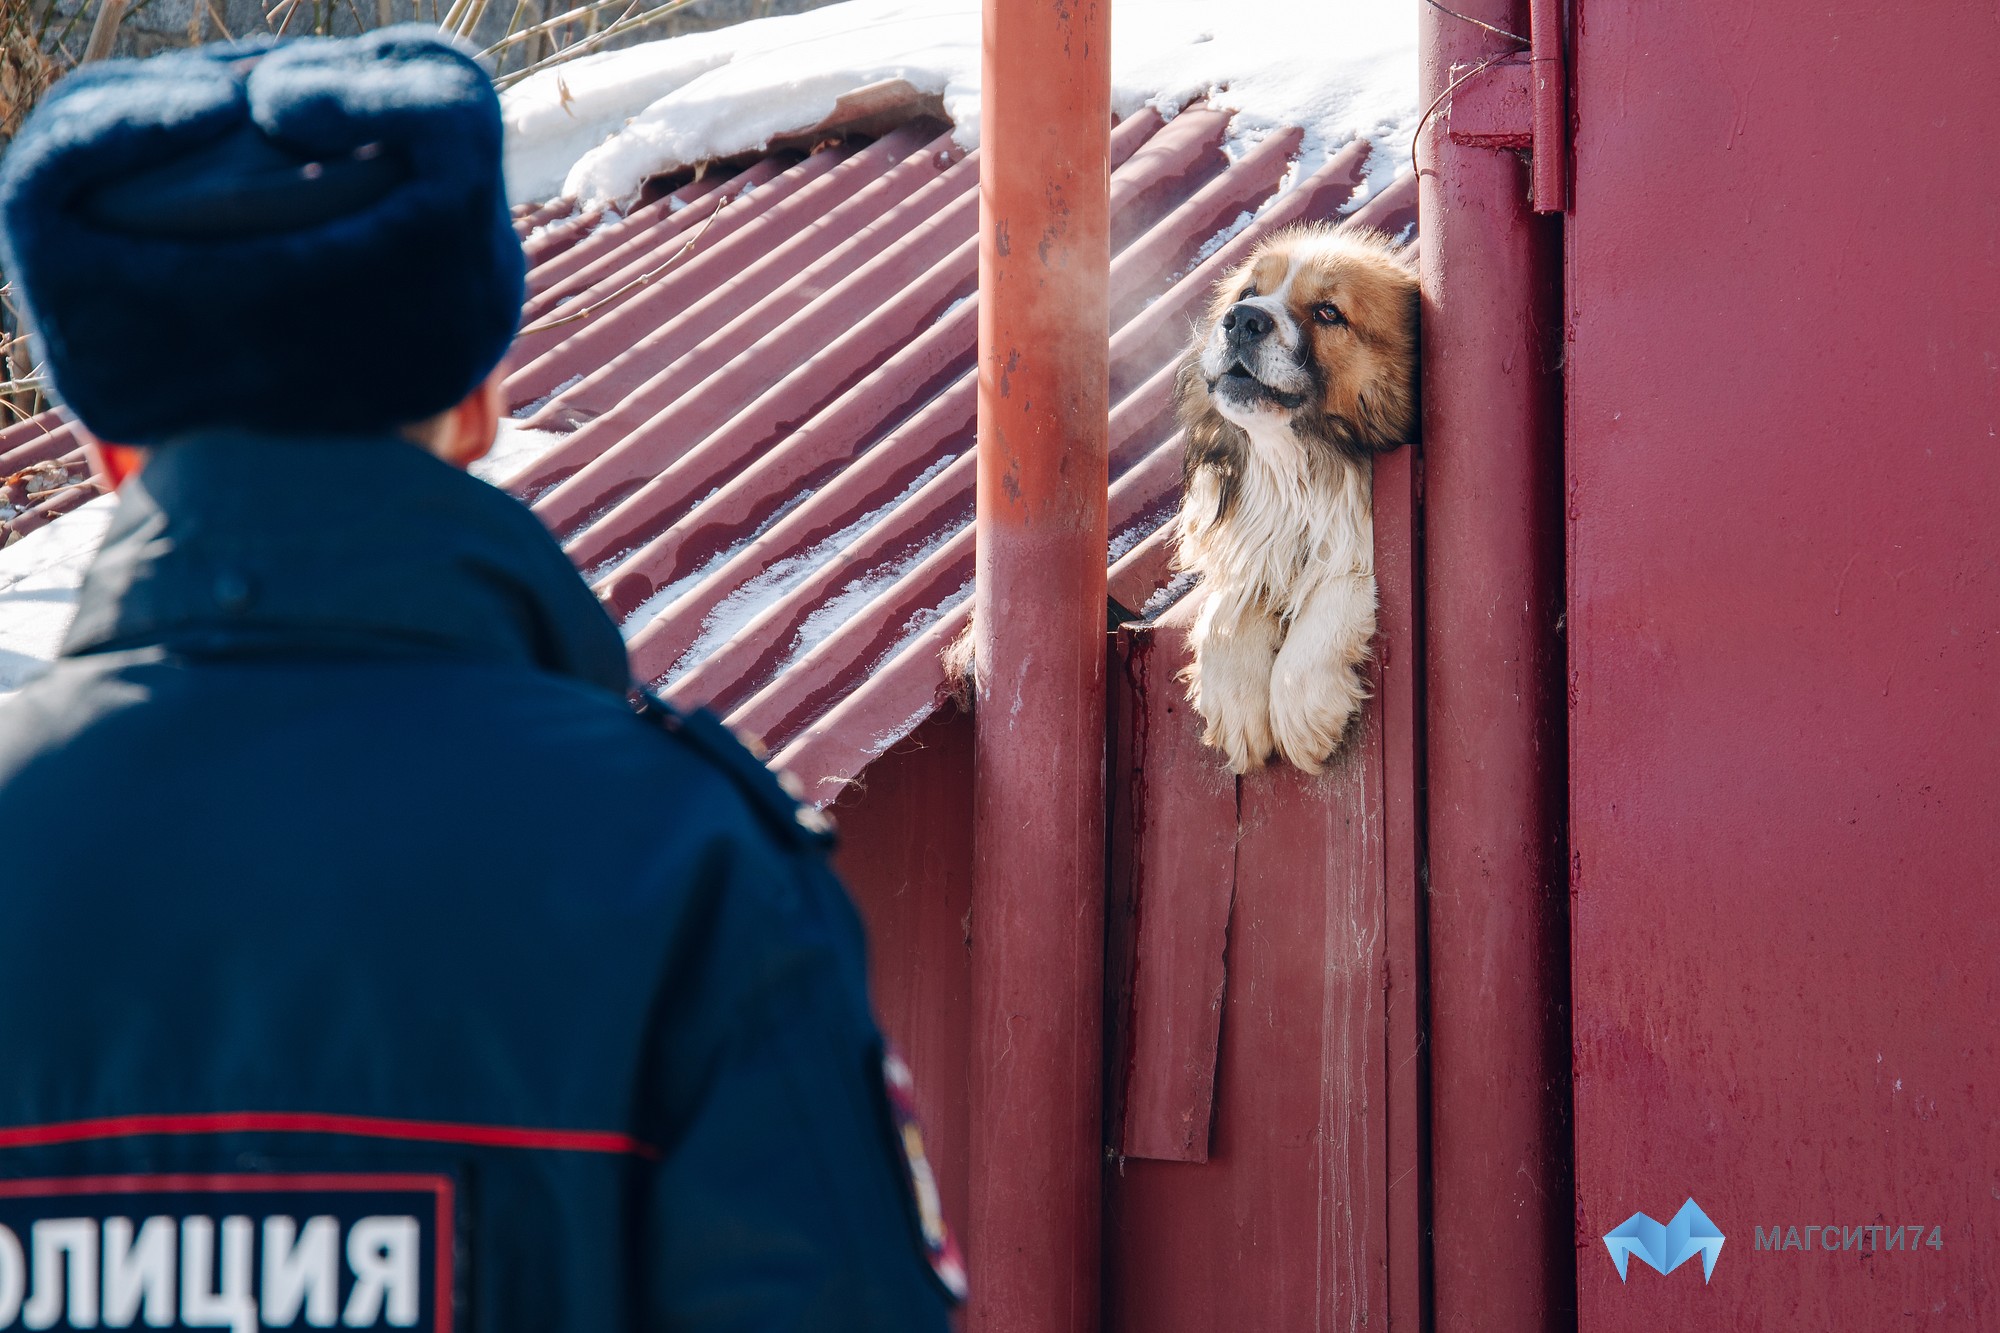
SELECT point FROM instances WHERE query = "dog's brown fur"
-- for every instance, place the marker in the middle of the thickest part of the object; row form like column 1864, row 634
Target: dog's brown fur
column 1276, row 515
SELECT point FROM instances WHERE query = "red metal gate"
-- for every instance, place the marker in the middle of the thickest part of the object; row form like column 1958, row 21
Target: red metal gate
column 1783, row 300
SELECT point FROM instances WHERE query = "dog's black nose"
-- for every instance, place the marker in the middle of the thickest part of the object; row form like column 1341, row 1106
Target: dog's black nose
column 1243, row 324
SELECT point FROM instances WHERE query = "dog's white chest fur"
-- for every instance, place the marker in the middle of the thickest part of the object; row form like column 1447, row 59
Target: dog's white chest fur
column 1300, row 513
column 1288, row 575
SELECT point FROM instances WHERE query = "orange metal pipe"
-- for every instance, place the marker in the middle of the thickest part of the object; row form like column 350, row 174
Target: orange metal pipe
column 1038, row 770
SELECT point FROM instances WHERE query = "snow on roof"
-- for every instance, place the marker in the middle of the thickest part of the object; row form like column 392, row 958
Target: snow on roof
column 598, row 127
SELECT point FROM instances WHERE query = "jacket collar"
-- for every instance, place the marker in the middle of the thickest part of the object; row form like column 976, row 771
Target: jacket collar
column 233, row 544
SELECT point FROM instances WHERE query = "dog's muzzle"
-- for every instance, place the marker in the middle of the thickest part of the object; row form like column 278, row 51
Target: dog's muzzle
column 1248, row 363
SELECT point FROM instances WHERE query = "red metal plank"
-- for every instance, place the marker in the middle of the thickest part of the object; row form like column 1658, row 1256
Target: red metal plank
column 1142, row 571
column 845, row 333
column 1180, row 830
column 597, row 251
column 792, row 685
column 623, row 308
column 916, row 340
column 780, row 253
column 866, row 722
column 668, row 365
column 1399, row 706
column 905, row 855
column 1172, row 165
column 1169, row 247
column 759, row 650
column 867, row 638
column 556, row 237
column 682, row 355
column 1285, row 1226
column 607, row 248
column 36, row 440
column 938, row 433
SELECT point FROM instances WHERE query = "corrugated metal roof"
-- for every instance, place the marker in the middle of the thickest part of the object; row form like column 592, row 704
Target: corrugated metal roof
column 43, row 474
column 767, row 388
column 763, row 383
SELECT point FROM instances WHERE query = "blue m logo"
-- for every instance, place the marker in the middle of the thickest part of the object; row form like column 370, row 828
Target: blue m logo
column 1665, row 1248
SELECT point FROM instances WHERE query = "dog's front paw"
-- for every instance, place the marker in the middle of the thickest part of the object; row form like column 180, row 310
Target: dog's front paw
column 1312, row 706
column 1238, row 723
column 1229, row 683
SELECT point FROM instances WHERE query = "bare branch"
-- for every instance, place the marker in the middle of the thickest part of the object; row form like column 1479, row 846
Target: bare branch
column 104, row 30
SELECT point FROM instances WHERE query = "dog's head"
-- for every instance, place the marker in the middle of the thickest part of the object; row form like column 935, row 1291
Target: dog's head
column 1316, row 331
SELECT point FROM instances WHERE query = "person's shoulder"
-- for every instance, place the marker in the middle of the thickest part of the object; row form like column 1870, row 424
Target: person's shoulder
column 641, row 742
column 770, row 796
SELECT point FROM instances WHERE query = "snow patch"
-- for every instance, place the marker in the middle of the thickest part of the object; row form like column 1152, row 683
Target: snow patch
column 1122, row 543
column 39, row 578
column 840, row 608
column 528, row 410
column 515, row 449
column 642, row 615
column 600, row 126
column 1176, row 588
column 772, row 584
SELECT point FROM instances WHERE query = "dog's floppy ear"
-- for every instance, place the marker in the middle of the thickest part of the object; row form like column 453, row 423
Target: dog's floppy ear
column 1388, row 415
column 1212, row 442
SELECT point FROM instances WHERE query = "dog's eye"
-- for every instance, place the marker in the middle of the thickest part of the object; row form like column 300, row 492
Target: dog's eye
column 1326, row 312
column 1246, row 294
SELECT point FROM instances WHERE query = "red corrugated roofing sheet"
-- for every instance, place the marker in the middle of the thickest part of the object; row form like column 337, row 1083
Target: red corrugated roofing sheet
column 43, row 474
column 768, row 392
column 764, row 386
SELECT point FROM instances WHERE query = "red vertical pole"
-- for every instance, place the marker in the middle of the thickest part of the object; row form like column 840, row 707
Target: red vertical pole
column 1038, row 768
column 1493, row 600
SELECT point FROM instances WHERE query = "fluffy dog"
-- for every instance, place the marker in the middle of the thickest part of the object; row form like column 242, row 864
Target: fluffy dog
column 1305, row 368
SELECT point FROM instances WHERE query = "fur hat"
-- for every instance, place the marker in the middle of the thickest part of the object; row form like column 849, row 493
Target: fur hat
column 296, row 238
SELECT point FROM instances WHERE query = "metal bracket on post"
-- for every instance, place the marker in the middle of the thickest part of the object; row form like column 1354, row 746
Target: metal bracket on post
column 1519, row 104
column 1550, row 119
column 1494, row 107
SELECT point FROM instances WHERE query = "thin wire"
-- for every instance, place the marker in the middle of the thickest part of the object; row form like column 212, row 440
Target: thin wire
column 1479, row 23
column 1418, row 134
column 576, row 316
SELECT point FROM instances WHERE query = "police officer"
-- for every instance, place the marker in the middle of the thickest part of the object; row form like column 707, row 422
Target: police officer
column 366, row 958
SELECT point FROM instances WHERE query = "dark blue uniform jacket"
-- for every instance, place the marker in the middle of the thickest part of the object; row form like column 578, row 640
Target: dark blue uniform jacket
column 367, row 961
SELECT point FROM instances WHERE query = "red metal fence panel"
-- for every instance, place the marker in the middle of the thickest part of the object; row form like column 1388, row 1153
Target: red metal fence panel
column 1306, row 1211
column 1784, row 356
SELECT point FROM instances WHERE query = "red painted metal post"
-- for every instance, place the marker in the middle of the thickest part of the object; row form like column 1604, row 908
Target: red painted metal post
column 1493, row 588
column 1039, row 740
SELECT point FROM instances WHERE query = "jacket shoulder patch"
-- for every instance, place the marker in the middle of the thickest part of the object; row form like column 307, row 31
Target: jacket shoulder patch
column 774, row 795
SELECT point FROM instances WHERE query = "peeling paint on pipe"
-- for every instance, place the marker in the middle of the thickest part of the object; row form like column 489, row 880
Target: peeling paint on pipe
column 1038, row 766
